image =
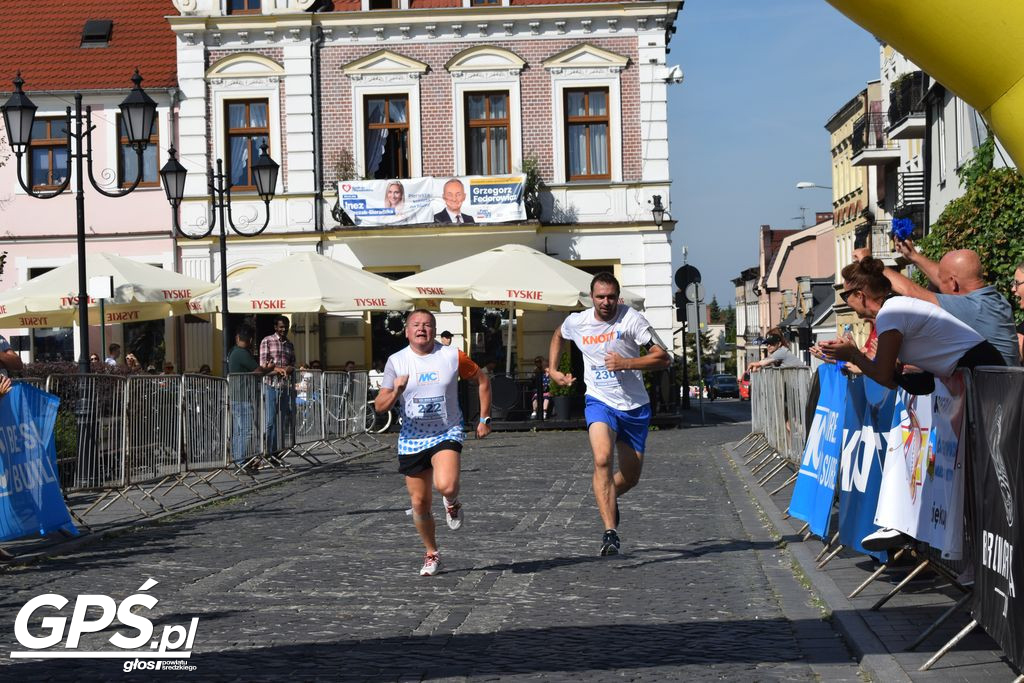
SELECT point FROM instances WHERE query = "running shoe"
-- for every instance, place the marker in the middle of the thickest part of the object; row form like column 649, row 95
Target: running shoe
column 610, row 543
column 431, row 564
column 453, row 514
column 884, row 539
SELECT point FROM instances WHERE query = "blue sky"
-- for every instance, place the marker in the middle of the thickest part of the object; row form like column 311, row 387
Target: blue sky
column 748, row 122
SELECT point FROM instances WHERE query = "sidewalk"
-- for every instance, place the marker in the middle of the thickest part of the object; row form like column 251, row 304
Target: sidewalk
column 886, row 633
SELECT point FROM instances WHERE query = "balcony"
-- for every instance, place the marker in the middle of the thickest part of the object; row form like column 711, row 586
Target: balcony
column 871, row 146
column 906, row 107
column 882, row 246
column 910, row 196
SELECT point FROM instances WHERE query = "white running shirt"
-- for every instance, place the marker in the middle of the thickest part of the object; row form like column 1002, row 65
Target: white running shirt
column 430, row 402
column 619, row 389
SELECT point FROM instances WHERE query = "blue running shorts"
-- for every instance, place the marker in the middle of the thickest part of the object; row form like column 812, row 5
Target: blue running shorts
column 630, row 426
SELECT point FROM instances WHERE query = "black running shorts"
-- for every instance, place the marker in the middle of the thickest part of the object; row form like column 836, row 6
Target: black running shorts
column 417, row 462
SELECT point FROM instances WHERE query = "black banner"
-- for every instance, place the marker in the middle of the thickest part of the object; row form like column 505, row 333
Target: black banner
column 998, row 505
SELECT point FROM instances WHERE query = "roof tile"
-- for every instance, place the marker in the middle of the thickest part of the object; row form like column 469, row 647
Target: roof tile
column 42, row 38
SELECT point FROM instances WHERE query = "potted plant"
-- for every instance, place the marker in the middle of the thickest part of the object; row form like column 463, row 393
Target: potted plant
column 561, row 397
column 532, row 188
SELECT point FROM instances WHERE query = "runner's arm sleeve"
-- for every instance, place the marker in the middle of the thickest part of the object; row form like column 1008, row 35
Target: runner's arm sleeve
column 388, row 381
column 467, row 368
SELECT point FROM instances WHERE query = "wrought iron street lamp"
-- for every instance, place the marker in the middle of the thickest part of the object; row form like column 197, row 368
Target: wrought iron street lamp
column 264, row 175
column 138, row 114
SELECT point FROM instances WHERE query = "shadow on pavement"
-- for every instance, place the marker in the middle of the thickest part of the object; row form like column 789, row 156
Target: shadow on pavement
column 520, row 651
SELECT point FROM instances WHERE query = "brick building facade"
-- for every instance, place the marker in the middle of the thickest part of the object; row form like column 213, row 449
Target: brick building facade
column 431, row 57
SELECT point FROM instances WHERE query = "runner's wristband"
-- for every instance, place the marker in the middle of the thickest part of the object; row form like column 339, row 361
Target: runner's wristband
column 485, row 420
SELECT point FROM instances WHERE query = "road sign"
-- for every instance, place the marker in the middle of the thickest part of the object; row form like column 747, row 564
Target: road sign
column 695, row 291
column 685, row 275
column 696, row 317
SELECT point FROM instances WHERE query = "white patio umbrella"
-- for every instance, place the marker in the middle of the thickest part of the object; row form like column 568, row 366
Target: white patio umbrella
column 512, row 276
column 141, row 292
column 306, row 283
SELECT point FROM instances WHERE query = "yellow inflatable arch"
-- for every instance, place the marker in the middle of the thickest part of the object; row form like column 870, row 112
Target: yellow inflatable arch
column 973, row 47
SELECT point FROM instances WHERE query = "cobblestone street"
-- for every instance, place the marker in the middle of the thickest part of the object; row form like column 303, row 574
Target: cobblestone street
column 318, row 577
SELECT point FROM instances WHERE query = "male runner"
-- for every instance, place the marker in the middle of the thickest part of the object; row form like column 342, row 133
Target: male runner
column 424, row 376
column 618, row 409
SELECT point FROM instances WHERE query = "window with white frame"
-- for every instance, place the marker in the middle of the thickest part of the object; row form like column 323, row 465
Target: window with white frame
column 587, row 113
column 940, row 120
column 386, row 121
column 247, row 128
column 587, row 148
column 488, row 143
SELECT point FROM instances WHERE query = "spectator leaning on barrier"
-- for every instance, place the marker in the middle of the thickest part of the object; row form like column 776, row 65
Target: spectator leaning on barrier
column 277, row 357
column 963, row 294
column 779, row 355
column 1018, row 289
column 909, row 330
column 240, row 361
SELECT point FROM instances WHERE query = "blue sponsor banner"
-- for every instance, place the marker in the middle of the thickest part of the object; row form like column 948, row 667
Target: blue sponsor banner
column 816, row 480
column 869, row 415
column 30, row 498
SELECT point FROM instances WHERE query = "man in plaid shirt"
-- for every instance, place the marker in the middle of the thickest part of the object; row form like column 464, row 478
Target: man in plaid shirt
column 277, row 358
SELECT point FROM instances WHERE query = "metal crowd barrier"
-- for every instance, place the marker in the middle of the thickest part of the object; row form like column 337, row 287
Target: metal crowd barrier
column 206, row 425
column 90, row 430
column 309, row 406
column 245, row 402
column 118, row 436
column 152, row 432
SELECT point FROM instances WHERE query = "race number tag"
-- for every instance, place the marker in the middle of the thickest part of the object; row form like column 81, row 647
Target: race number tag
column 429, row 410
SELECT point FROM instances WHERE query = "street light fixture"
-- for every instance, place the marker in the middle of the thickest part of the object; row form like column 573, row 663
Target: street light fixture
column 805, row 185
column 138, row 112
column 658, row 210
column 264, row 174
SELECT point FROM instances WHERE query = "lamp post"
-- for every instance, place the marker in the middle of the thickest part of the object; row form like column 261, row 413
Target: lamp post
column 805, row 185
column 138, row 114
column 264, row 174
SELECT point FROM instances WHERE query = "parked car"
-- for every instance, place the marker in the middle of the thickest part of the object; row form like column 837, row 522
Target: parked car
column 745, row 387
column 724, row 386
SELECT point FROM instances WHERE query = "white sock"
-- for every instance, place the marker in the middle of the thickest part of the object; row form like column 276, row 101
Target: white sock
column 449, row 503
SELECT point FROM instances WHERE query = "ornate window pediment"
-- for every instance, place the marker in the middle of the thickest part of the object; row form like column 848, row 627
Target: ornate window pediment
column 585, row 57
column 384, row 63
column 244, row 66
column 485, row 59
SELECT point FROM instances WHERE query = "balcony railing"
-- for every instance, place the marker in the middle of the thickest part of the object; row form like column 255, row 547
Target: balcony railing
column 869, row 134
column 910, row 193
column 906, row 98
column 882, row 246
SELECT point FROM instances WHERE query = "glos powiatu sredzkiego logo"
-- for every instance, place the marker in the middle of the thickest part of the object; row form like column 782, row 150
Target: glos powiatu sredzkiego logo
column 42, row 625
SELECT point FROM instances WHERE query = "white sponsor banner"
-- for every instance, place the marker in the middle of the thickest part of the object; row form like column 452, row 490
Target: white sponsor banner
column 922, row 492
column 410, row 201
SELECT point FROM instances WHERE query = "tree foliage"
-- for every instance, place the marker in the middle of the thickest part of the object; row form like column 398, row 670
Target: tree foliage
column 988, row 219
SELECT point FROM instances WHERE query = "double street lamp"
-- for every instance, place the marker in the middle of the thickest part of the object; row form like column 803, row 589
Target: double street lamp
column 138, row 114
column 264, row 176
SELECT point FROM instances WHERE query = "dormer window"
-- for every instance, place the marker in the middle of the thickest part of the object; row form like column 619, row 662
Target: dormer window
column 96, row 33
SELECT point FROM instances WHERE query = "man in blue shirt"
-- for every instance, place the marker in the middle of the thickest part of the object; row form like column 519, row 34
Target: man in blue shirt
column 963, row 293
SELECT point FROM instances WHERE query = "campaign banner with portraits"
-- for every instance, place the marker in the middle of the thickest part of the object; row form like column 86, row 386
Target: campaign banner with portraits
column 417, row 201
